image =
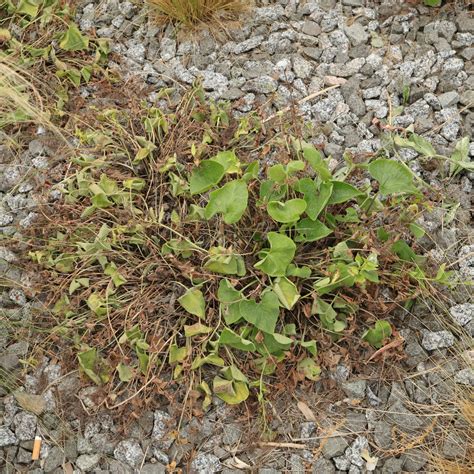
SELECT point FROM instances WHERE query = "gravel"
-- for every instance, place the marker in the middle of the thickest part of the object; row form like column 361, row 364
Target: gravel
column 283, row 52
column 437, row 340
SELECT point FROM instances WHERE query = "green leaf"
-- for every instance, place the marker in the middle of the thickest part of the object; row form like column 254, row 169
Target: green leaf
column 404, row 251
column 125, row 372
column 224, row 262
column 300, row 272
column 93, row 366
column 232, row 339
column 227, row 293
column 117, row 278
column 416, row 142
column 277, row 173
column 263, row 315
column 416, row 230
column 196, row 329
column 393, row 176
column 73, row 40
column 228, row 160
column 87, row 360
column 205, row 176
column 29, row 7
column 286, row 291
column 230, row 200
column 309, row 369
column 315, row 159
column 97, row 304
column 211, row 359
column 376, row 335
column 342, row 192
column 310, row 231
column 77, row 283
column 278, row 257
column 460, row 157
column 271, row 191
column 275, row 343
column 177, row 354
column 288, row 211
column 193, row 302
column 310, row 346
column 433, row 3
column 229, row 391
column 316, row 201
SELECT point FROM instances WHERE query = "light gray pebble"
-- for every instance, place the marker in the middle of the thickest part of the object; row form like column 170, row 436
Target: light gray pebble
column 437, row 340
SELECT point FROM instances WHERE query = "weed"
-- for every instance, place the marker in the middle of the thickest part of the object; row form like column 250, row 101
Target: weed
column 189, row 250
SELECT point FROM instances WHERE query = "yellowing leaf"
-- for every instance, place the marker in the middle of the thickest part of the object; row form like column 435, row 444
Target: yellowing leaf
column 193, row 302
column 73, row 40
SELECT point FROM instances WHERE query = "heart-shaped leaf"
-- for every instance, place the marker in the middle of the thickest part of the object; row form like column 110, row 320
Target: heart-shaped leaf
column 416, row 142
column 279, row 256
column 316, row 200
column 73, row 40
column 288, row 211
column 309, row 369
column 376, row 335
column 223, row 261
column 232, row 339
column 205, row 176
column 196, row 329
column 393, row 176
column 310, row 231
column 229, row 391
column 193, row 302
column 227, row 293
column 263, row 315
column 125, row 372
column 342, row 192
column 229, row 161
column 315, row 159
column 286, row 291
column 230, row 201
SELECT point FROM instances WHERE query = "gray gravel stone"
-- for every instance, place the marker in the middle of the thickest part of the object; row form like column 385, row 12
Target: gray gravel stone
column 25, row 425
column 462, row 313
column 357, row 34
column 400, row 416
column 382, row 434
column 334, row 447
column 155, row 468
column 7, row 437
column 414, row 460
column 437, row 340
column 261, row 85
column 465, row 377
column 393, row 465
column 205, row 464
column 231, row 434
column 54, row 459
column 130, row 452
column 323, row 466
column 455, row 446
column 87, row 462
column 355, row 389
column 448, row 99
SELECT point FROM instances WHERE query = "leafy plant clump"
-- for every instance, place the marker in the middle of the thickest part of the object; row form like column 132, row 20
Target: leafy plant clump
column 209, row 251
column 191, row 13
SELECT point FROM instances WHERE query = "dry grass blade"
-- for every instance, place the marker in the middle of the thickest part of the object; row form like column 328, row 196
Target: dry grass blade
column 195, row 12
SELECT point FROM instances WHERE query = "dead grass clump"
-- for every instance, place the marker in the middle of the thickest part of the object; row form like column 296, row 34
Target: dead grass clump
column 192, row 13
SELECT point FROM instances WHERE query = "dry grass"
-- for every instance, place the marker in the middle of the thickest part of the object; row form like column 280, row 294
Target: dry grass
column 192, row 13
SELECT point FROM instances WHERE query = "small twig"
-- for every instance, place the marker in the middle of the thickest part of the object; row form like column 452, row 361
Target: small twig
column 283, row 445
column 385, row 348
column 301, row 101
